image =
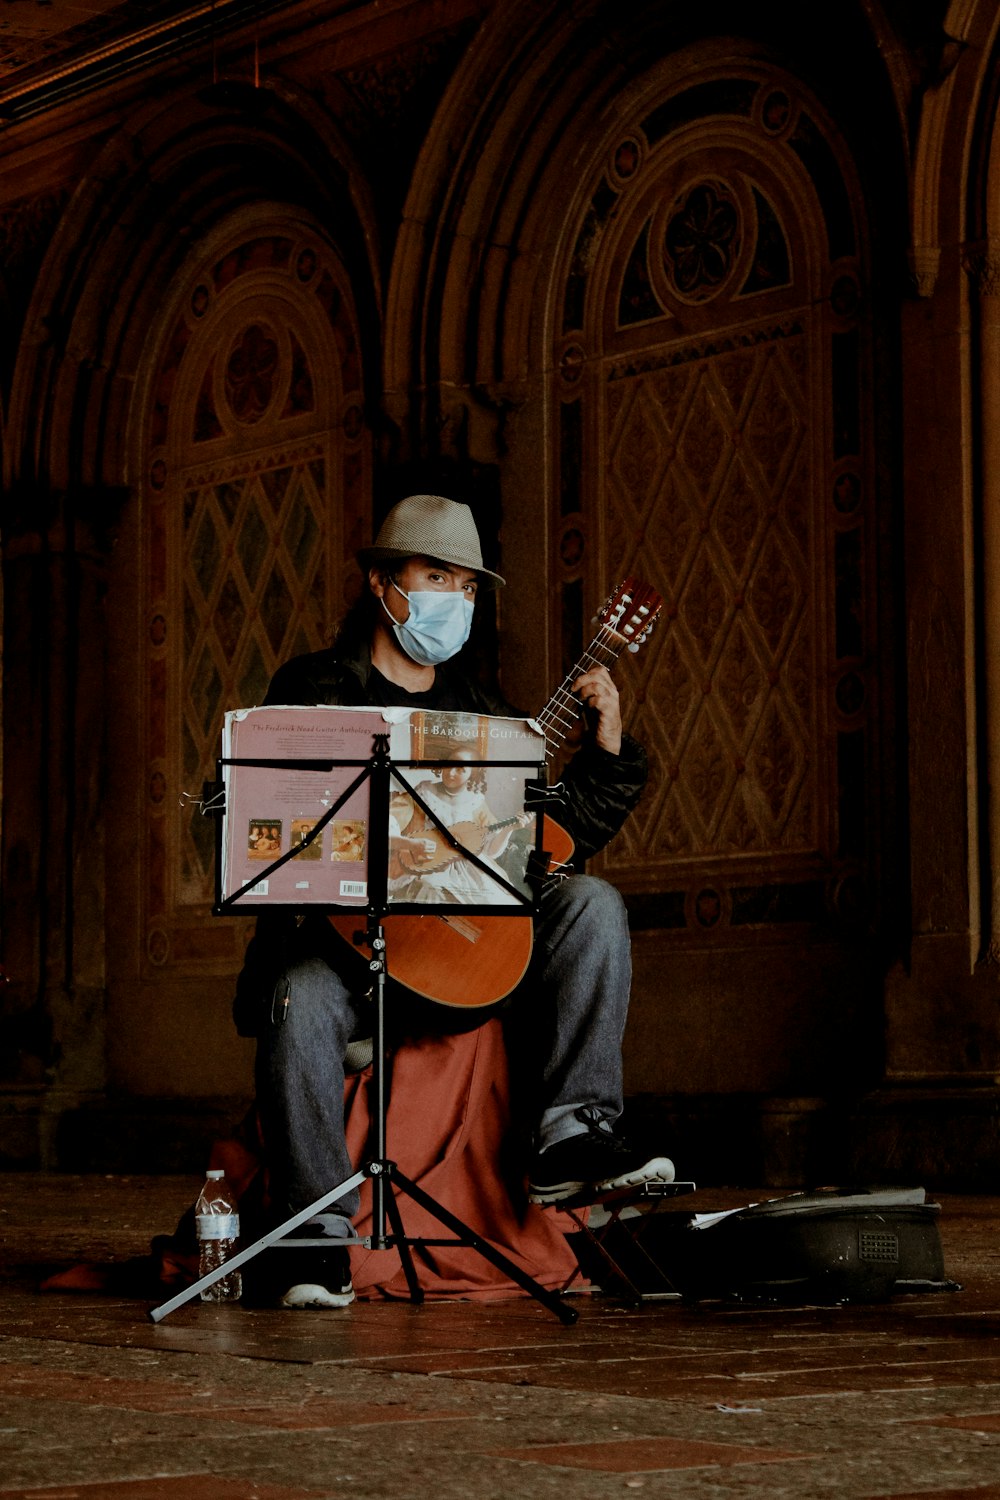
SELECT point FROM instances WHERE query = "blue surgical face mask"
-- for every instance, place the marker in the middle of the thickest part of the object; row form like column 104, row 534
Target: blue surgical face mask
column 438, row 625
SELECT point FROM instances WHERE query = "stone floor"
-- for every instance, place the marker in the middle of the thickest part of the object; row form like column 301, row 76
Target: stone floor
column 457, row 1399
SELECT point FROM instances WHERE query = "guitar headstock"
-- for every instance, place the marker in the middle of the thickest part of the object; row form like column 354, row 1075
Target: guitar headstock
column 629, row 611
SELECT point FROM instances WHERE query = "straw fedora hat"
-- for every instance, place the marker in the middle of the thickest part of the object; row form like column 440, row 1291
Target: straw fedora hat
column 430, row 526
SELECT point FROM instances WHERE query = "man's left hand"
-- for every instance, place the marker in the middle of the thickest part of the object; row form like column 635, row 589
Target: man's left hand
column 599, row 698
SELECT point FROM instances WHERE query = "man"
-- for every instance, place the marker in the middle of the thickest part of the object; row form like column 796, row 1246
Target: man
column 398, row 648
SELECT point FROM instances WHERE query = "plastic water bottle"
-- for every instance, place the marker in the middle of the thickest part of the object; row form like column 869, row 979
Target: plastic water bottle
column 217, row 1225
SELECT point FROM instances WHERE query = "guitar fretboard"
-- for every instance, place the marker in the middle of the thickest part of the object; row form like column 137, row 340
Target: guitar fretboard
column 563, row 708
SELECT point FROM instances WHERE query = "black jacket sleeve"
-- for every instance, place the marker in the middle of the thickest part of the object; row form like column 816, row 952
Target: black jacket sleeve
column 599, row 790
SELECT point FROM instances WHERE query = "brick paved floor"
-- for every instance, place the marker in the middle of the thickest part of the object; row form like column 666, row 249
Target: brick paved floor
column 895, row 1399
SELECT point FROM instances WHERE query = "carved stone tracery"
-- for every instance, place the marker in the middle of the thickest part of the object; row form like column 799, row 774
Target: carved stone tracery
column 256, row 451
column 702, row 240
column 702, row 346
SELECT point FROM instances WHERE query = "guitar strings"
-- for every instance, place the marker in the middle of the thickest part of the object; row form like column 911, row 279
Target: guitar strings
column 562, row 710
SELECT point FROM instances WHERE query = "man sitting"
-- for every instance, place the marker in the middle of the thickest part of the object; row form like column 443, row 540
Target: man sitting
column 399, row 648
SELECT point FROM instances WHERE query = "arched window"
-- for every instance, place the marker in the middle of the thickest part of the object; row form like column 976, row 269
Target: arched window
column 255, row 454
column 708, row 415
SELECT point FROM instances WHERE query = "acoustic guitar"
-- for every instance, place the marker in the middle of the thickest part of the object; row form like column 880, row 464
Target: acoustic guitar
column 466, row 959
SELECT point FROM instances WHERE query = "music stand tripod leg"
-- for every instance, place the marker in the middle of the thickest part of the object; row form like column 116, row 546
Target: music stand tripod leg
column 270, row 1238
column 402, row 1245
column 468, row 1236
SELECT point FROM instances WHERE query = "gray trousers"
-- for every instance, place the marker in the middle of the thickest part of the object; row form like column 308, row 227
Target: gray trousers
column 569, row 1010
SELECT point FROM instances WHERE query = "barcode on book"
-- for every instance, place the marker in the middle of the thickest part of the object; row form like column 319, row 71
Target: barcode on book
column 354, row 888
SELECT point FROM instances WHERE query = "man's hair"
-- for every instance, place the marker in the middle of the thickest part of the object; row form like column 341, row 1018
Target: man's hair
column 354, row 632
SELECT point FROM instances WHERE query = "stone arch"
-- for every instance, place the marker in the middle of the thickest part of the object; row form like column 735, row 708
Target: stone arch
column 127, row 232
column 707, row 433
column 525, row 245
column 945, row 149
column 255, row 475
column 158, row 213
column 516, row 130
column 533, row 220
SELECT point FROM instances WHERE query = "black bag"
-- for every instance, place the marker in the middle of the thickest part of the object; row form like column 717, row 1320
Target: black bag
column 836, row 1245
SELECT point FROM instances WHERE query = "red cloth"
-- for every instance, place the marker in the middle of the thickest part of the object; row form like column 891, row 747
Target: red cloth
column 447, row 1129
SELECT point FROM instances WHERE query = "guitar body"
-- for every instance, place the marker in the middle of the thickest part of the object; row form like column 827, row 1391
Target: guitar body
column 455, row 957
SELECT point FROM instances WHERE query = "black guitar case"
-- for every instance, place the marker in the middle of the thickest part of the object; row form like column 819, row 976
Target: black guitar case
column 834, row 1245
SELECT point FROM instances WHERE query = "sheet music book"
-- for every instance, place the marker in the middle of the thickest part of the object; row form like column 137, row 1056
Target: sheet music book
column 285, row 768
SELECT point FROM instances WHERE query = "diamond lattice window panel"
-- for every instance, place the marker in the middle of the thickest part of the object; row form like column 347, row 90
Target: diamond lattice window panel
column 709, row 370
column 258, row 483
column 246, row 608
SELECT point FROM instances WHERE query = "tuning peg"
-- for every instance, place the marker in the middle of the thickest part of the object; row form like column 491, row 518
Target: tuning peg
column 641, row 639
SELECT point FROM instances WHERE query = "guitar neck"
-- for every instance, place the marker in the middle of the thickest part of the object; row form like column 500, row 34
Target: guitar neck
column 563, row 709
column 625, row 622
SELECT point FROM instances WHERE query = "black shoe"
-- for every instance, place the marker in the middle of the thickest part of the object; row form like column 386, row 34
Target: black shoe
column 310, row 1276
column 597, row 1160
column 316, row 1278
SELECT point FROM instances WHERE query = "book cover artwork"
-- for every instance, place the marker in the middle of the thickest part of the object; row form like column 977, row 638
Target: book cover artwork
column 296, row 827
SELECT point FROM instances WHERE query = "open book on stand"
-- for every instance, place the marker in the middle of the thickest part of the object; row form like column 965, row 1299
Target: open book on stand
column 297, row 819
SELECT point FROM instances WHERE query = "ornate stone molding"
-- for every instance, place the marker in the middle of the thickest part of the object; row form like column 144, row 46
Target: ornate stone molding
column 469, row 425
column 393, row 88
column 26, row 227
column 941, row 114
column 981, row 263
column 925, row 261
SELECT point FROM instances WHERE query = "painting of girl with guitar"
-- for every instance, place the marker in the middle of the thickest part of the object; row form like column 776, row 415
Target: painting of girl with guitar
column 456, row 795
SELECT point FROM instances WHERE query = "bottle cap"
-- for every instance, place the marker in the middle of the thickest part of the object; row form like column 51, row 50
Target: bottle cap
column 215, row 1174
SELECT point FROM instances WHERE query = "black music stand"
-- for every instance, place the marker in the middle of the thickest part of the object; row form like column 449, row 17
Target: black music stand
column 386, row 1178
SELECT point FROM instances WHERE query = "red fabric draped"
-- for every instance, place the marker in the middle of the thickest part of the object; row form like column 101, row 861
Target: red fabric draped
column 447, row 1129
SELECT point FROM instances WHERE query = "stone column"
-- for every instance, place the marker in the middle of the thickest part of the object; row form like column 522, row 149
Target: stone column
column 984, row 268
column 54, row 824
